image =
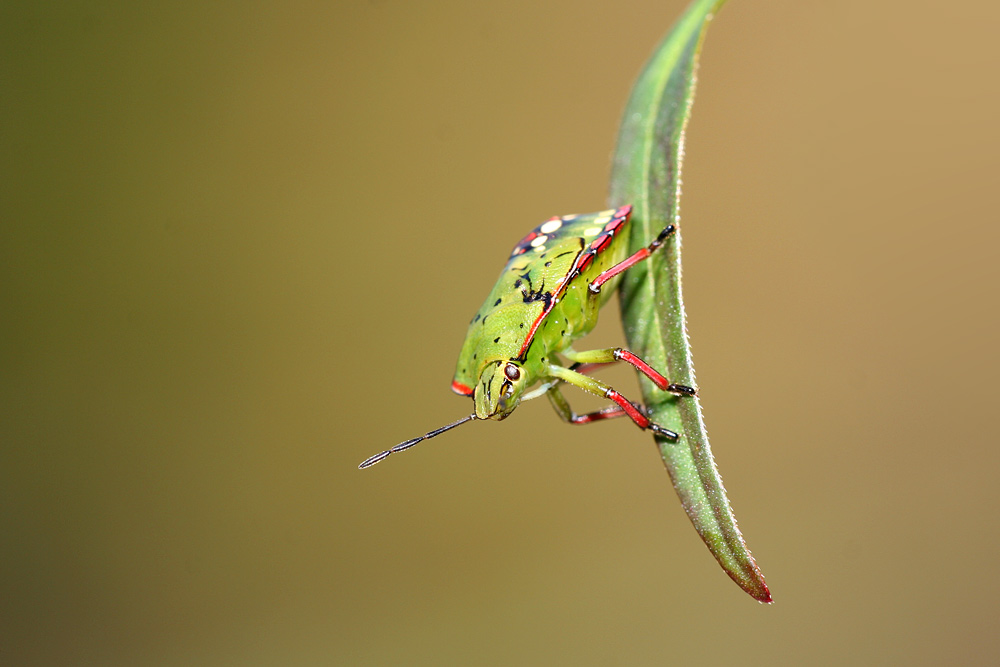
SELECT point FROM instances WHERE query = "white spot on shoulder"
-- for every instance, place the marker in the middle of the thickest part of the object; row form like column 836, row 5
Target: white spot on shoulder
column 539, row 240
column 592, row 231
column 550, row 226
column 603, row 220
column 540, row 248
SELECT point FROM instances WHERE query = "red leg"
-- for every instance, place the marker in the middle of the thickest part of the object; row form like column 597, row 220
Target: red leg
column 640, row 255
column 599, row 388
column 564, row 410
column 585, row 360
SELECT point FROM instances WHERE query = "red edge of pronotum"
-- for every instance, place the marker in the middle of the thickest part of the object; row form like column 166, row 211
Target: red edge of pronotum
column 460, row 388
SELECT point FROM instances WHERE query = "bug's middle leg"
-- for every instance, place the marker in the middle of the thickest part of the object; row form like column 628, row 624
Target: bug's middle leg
column 598, row 388
column 613, row 354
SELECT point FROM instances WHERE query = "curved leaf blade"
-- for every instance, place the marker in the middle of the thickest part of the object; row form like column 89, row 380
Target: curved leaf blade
column 646, row 174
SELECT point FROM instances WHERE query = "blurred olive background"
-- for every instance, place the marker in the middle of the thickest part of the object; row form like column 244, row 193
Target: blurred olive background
column 240, row 246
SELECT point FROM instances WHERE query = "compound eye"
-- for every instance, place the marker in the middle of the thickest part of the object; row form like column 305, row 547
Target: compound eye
column 512, row 372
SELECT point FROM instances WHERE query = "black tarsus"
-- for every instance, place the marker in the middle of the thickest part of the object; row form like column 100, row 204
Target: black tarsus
column 665, row 432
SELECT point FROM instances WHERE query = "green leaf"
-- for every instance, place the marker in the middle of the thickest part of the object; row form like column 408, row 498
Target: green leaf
column 646, row 174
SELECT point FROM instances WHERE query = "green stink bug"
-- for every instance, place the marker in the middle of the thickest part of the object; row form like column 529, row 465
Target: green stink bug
column 548, row 295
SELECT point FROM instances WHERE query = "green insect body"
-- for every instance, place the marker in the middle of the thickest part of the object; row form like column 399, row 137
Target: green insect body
column 549, row 294
column 540, row 304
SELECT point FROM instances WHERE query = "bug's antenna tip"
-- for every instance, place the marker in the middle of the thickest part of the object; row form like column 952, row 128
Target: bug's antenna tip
column 372, row 460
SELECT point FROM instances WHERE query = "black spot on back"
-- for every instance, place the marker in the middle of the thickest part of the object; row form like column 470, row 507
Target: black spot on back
column 530, row 297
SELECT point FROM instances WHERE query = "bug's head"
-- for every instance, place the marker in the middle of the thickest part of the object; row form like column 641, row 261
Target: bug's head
column 499, row 389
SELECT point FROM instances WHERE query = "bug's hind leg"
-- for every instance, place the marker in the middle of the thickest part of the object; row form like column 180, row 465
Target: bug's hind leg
column 566, row 413
column 599, row 388
column 613, row 354
column 595, row 285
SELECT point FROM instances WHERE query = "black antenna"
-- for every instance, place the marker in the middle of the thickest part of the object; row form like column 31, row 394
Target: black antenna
column 369, row 462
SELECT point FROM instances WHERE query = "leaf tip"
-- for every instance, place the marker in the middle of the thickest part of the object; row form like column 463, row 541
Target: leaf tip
column 756, row 588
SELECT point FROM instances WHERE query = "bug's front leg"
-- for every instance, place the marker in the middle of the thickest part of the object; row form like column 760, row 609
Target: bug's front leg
column 613, row 354
column 598, row 388
column 566, row 413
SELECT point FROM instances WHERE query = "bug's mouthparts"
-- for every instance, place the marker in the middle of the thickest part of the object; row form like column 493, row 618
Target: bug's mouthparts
column 502, row 411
